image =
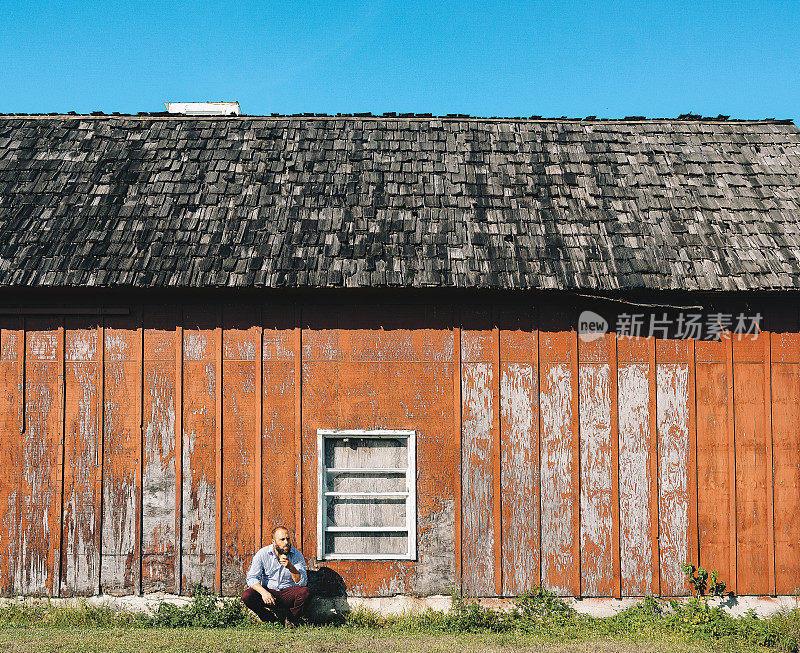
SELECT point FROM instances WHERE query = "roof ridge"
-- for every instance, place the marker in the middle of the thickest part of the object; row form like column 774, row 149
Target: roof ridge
column 392, row 116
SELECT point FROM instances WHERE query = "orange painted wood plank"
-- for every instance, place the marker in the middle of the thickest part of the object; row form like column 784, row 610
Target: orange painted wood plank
column 596, row 473
column 240, row 356
column 786, row 456
column 178, row 460
column 519, row 394
column 559, row 459
column 785, row 380
column 672, row 410
column 258, row 435
column 140, row 452
column 752, row 473
column 457, row 554
column 218, row 435
column 770, row 517
column 298, row 427
column 279, row 466
column 121, row 449
column 479, row 543
column 615, row 523
column 497, row 496
column 694, row 545
column 100, row 461
column 714, row 482
column 159, row 417
column 39, row 495
column 62, row 391
column 11, row 356
column 729, row 378
column 199, row 447
column 655, row 547
column 635, row 470
column 80, row 556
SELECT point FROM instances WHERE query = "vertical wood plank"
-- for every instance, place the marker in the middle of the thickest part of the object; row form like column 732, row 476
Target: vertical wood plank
column 160, row 454
column 198, row 505
column 497, row 507
column 279, row 424
column 79, row 553
column 785, row 381
column 240, row 360
column 635, row 472
column 39, row 487
column 101, row 429
column 457, row 430
column 672, row 406
column 258, row 437
column 733, row 583
column 596, row 501
column 576, row 468
column 122, row 428
column 615, row 517
column 140, row 453
column 178, row 451
column 770, row 465
column 560, row 490
column 477, row 499
column 218, row 455
column 62, row 392
column 11, row 357
column 753, row 476
column 694, row 544
column 298, row 424
column 519, row 398
column 655, row 547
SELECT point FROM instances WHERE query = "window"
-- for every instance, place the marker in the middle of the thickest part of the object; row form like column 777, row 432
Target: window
column 367, row 495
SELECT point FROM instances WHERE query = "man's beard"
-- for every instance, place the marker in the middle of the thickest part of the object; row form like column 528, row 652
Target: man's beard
column 283, row 551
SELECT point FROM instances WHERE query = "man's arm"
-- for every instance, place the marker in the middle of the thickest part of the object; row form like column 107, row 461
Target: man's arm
column 254, row 578
column 297, row 568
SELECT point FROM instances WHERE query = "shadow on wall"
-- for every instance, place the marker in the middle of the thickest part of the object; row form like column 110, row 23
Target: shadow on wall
column 329, row 597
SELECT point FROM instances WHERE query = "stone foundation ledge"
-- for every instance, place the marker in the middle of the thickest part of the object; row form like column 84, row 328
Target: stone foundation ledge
column 324, row 609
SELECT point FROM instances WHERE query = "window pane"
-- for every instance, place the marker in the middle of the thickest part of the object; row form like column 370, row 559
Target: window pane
column 344, row 511
column 366, row 452
column 367, row 482
column 366, row 543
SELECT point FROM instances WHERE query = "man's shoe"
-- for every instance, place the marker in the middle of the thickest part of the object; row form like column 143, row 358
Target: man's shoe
column 289, row 623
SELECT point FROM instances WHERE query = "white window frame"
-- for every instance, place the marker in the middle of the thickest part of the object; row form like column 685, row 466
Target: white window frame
column 410, row 494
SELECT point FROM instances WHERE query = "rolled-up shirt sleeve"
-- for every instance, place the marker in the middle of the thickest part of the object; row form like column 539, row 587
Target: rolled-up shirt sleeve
column 256, row 570
column 300, row 565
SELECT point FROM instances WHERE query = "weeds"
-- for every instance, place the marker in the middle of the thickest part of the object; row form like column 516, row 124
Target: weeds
column 537, row 612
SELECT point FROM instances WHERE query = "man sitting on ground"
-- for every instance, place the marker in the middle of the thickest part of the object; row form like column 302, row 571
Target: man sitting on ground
column 277, row 581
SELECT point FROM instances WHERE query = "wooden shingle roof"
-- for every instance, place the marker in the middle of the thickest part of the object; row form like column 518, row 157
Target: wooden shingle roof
column 406, row 202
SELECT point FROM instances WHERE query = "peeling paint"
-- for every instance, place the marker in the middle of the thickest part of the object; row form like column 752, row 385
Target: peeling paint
column 672, row 405
column 556, row 477
column 596, row 508
column 636, row 561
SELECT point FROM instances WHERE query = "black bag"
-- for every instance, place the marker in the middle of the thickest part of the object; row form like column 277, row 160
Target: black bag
column 326, row 582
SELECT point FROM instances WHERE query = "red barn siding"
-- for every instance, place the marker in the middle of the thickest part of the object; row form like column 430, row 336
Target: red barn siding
column 155, row 450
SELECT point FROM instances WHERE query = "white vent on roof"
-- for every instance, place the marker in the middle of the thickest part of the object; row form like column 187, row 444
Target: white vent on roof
column 204, row 108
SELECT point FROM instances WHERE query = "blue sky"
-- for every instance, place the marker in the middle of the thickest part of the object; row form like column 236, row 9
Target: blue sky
column 482, row 58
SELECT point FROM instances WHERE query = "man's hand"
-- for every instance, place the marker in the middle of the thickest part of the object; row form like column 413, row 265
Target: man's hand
column 265, row 595
column 284, row 560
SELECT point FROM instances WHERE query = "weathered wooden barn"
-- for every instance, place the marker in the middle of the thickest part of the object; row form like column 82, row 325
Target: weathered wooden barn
column 371, row 329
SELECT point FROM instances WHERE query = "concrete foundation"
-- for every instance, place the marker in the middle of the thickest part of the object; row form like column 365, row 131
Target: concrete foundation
column 325, row 609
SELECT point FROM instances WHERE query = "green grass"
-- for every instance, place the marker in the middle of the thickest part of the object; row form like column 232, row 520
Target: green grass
column 539, row 621
column 323, row 639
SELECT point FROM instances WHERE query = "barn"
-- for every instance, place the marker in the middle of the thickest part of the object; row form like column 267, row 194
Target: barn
column 447, row 352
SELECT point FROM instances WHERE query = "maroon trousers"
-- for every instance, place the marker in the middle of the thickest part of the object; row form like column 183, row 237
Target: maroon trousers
column 289, row 603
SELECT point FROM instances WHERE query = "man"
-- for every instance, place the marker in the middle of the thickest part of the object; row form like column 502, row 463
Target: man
column 277, row 581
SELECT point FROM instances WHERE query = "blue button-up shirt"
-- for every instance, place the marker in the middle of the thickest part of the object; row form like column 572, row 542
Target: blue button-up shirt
column 270, row 573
